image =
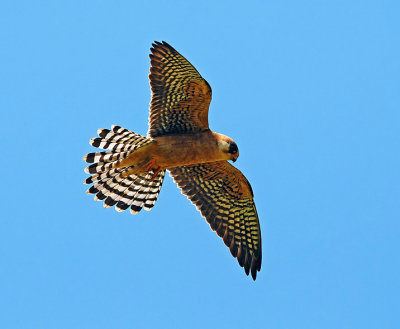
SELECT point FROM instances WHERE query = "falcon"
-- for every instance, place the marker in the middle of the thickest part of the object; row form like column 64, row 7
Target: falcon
column 130, row 173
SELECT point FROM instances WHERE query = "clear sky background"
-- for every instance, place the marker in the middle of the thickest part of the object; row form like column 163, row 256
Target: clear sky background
column 309, row 90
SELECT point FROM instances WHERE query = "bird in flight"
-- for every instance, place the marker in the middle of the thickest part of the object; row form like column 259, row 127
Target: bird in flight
column 131, row 172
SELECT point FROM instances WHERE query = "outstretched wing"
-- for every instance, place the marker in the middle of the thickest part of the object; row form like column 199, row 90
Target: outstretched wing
column 180, row 96
column 224, row 197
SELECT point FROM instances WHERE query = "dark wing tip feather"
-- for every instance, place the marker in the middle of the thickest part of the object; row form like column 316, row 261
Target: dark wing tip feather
column 162, row 44
column 255, row 266
column 247, row 269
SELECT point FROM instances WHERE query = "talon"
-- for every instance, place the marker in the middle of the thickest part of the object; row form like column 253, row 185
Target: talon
column 155, row 174
column 151, row 165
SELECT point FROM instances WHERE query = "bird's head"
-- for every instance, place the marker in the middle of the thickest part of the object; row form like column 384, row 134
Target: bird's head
column 228, row 148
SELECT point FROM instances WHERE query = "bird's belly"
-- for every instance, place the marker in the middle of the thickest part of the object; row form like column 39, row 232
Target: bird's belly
column 185, row 150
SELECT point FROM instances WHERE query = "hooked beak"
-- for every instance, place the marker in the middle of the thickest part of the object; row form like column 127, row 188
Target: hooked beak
column 234, row 159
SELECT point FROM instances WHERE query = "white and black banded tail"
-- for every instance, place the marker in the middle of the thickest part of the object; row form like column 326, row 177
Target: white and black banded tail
column 134, row 191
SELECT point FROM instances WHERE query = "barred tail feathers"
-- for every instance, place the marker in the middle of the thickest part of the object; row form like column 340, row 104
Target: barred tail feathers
column 134, row 191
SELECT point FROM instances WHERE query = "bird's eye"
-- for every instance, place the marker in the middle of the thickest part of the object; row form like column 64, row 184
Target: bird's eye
column 233, row 149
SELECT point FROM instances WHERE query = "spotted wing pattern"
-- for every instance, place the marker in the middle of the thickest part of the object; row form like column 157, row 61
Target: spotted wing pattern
column 224, row 197
column 180, row 96
column 134, row 191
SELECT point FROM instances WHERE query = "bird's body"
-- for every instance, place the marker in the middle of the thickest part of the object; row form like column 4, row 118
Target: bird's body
column 169, row 151
column 130, row 174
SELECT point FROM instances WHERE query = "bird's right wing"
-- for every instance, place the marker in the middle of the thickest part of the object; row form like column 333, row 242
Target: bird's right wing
column 224, row 197
column 180, row 96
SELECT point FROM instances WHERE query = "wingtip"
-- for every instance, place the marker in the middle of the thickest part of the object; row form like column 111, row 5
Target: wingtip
column 255, row 266
column 163, row 44
column 155, row 45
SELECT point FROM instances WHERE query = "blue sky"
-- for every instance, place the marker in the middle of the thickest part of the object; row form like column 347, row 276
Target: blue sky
column 309, row 90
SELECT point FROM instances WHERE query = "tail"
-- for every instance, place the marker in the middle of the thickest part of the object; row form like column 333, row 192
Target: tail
column 134, row 191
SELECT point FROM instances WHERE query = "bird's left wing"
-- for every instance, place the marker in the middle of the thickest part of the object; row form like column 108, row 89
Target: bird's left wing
column 224, row 197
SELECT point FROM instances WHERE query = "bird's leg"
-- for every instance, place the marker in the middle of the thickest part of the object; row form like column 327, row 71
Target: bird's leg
column 155, row 174
column 151, row 165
